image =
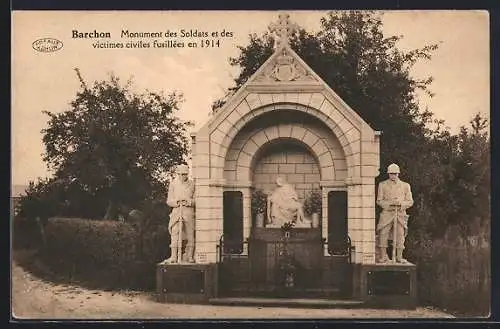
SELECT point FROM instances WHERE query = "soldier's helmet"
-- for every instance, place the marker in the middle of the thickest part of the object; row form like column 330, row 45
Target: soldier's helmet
column 182, row 169
column 393, row 169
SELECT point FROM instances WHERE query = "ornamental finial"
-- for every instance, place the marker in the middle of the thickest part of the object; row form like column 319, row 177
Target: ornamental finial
column 283, row 30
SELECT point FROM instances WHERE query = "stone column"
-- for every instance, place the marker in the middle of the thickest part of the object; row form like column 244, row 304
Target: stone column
column 354, row 223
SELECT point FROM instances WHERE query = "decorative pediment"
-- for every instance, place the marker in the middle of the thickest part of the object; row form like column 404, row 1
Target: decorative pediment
column 284, row 66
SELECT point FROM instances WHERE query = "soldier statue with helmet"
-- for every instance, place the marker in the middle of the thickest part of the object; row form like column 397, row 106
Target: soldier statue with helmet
column 394, row 197
column 181, row 224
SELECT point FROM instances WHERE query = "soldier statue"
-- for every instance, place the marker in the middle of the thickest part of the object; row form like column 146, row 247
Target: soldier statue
column 181, row 225
column 394, row 197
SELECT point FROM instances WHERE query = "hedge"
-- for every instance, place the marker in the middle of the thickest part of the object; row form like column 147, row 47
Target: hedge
column 25, row 234
column 454, row 274
column 105, row 254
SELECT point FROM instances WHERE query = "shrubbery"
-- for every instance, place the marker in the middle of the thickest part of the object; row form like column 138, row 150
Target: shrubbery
column 454, row 272
column 106, row 254
column 25, row 234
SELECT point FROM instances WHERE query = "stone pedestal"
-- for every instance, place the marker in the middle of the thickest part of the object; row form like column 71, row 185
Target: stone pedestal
column 386, row 285
column 186, row 283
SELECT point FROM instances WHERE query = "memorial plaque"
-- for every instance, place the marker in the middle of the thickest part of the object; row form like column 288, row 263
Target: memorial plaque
column 184, row 280
column 388, row 283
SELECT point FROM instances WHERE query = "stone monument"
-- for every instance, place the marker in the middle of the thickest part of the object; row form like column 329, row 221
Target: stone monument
column 394, row 197
column 285, row 121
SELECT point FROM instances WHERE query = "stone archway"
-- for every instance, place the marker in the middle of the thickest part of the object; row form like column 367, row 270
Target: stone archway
column 347, row 134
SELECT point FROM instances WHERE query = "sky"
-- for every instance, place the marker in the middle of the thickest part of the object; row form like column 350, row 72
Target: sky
column 47, row 80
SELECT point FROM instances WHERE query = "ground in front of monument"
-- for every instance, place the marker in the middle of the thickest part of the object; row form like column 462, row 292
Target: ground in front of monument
column 33, row 298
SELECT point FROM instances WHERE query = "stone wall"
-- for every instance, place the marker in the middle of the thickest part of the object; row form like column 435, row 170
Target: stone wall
column 291, row 162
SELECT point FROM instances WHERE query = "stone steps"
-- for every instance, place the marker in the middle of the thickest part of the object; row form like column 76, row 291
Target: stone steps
column 286, row 302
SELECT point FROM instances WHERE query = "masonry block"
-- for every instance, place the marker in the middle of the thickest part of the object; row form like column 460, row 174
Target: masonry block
column 278, row 98
column 253, row 101
column 356, row 159
column 230, row 165
column 250, row 147
column 304, row 98
column 266, row 99
column 202, row 191
column 320, row 147
column 345, row 126
column 369, row 147
column 327, row 175
column 327, row 108
column 298, row 132
column 369, row 223
column 286, row 168
column 369, row 159
column 310, row 138
column 355, row 146
column 260, row 138
column 368, row 212
column 370, row 171
column 368, row 190
column 305, row 186
column 285, row 130
column 354, row 201
column 233, row 117
column 340, row 174
column 303, row 168
column 368, row 201
column 291, row 97
column 368, row 235
column 201, row 172
column 325, row 159
column 243, row 108
column 294, row 157
column 317, row 100
column 244, row 159
column 272, row 132
column 295, row 178
column 206, row 225
column 230, row 175
column 269, row 168
column 352, row 134
column 354, row 212
column 216, row 173
column 336, row 116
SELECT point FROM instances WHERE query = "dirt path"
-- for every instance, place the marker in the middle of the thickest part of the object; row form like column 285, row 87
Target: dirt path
column 33, row 298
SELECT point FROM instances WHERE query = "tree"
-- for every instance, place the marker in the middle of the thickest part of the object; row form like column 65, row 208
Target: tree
column 368, row 71
column 116, row 145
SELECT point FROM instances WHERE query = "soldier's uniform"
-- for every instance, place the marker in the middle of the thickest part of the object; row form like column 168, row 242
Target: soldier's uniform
column 181, row 191
column 394, row 197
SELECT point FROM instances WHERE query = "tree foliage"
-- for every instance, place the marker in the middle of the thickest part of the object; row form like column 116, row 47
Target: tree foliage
column 113, row 148
column 449, row 173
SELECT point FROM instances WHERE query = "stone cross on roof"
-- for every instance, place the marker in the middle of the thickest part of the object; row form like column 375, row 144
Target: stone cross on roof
column 283, row 30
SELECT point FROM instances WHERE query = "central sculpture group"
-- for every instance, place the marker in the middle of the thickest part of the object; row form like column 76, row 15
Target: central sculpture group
column 283, row 206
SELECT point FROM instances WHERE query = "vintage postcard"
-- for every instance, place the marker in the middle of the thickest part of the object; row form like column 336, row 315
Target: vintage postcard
column 250, row 164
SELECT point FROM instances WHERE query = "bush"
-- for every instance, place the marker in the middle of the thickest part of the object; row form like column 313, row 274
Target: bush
column 454, row 273
column 312, row 203
column 105, row 254
column 25, row 234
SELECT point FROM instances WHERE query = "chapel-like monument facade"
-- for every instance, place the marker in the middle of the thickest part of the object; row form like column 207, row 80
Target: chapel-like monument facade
column 285, row 121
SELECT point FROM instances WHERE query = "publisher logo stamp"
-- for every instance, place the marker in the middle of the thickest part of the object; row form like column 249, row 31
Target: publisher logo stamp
column 47, row 45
